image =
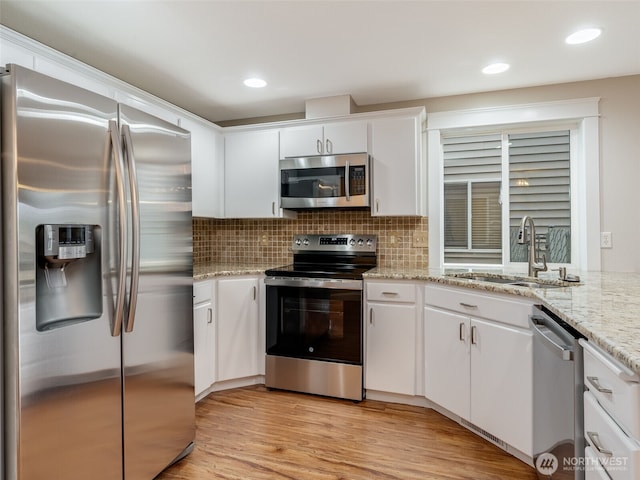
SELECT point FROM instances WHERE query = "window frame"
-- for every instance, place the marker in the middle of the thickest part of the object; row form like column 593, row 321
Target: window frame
column 580, row 116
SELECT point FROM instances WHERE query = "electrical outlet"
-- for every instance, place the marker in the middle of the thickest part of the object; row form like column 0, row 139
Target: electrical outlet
column 264, row 239
column 393, row 238
column 420, row 240
column 605, row 240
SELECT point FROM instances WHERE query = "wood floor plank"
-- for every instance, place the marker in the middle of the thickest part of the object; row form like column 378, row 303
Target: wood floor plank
column 256, row 434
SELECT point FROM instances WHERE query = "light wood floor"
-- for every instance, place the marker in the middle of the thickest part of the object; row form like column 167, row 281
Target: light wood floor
column 253, row 433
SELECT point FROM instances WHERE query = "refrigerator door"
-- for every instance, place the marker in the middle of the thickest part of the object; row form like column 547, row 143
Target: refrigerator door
column 62, row 380
column 159, row 399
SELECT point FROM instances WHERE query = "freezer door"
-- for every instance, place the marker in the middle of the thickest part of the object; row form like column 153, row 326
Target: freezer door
column 62, row 381
column 159, row 399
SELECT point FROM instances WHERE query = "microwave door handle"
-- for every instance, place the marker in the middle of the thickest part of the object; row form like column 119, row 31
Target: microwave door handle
column 347, row 181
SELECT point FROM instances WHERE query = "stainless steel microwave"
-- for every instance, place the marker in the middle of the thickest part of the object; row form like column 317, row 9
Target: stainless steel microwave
column 325, row 181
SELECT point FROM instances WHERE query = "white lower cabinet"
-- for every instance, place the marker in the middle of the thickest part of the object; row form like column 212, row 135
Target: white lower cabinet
column 447, row 363
column 480, row 369
column 391, row 323
column 593, row 469
column 203, row 335
column 237, row 320
column 611, row 416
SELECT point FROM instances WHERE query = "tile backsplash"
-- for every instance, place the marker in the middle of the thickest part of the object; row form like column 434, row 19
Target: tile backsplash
column 268, row 241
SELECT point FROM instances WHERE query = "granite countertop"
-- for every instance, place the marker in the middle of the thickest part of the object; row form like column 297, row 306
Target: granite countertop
column 213, row 270
column 604, row 306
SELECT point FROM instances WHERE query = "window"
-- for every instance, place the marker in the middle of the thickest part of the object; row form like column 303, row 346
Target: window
column 537, row 166
column 472, row 207
column 540, row 186
column 488, row 168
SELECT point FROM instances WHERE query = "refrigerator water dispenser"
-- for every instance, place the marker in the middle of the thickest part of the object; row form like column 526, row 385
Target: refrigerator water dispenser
column 68, row 275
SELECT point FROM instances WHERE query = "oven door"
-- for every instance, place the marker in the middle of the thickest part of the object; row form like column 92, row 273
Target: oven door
column 325, row 181
column 314, row 319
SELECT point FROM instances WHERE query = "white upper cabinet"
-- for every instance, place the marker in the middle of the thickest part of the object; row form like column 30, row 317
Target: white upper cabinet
column 207, row 169
column 251, row 174
column 398, row 166
column 324, row 139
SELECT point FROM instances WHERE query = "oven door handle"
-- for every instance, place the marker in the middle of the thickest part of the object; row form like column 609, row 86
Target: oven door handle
column 337, row 284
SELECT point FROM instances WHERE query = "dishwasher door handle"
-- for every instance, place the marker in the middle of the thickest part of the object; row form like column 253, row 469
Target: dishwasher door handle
column 540, row 328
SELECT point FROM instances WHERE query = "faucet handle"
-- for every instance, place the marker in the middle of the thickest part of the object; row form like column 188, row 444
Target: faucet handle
column 544, row 263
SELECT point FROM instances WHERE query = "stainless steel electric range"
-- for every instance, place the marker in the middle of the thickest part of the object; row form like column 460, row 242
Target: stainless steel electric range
column 314, row 316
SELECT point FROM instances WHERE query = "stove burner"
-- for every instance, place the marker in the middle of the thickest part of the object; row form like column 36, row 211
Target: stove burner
column 329, row 256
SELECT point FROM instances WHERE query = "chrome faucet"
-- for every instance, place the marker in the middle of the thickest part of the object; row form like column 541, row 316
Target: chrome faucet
column 534, row 266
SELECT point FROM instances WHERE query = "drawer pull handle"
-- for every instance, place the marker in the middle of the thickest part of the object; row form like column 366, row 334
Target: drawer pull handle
column 209, row 315
column 468, row 305
column 461, row 332
column 596, row 384
column 595, row 441
column 393, row 294
column 371, row 316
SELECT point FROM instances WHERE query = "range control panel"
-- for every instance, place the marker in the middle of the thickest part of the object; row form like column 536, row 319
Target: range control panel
column 334, row 243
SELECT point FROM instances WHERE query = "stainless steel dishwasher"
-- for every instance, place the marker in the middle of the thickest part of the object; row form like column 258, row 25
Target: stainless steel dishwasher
column 558, row 388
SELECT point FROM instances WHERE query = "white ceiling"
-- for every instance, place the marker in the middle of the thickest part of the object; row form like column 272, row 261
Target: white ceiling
column 196, row 54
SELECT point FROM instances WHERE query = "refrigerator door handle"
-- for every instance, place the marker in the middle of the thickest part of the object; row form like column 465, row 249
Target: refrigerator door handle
column 135, row 224
column 122, row 224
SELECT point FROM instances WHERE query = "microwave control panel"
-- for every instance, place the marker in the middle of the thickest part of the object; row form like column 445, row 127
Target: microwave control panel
column 358, row 180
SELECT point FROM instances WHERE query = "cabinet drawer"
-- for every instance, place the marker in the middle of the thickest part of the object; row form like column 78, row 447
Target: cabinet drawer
column 618, row 453
column 202, row 291
column 463, row 300
column 593, row 470
column 391, row 292
column 609, row 382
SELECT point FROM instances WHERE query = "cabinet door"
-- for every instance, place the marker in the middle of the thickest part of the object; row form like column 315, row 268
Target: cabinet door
column 345, row 137
column 203, row 346
column 390, row 362
column 398, row 167
column 502, row 382
column 446, row 352
column 237, row 333
column 207, row 169
column 251, row 174
column 302, row 141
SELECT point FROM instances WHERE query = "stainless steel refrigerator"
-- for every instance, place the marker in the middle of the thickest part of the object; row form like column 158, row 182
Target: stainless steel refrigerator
column 96, row 285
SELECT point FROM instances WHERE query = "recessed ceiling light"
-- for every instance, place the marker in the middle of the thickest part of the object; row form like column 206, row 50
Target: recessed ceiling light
column 495, row 68
column 255, row 83
column 583, row 36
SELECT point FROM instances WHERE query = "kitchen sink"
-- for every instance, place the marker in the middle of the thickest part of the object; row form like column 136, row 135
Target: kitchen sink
column 481, row 278
column 510, row 280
